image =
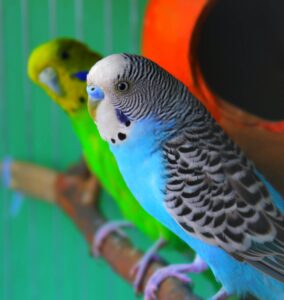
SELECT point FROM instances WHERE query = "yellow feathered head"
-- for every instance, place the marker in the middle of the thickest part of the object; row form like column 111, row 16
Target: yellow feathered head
column 60, row 67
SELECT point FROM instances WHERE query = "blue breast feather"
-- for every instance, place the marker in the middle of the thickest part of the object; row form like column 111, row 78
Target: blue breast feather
column 143, row 172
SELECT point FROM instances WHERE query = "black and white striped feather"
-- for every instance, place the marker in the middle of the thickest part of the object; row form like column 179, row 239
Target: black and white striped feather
column 215, row 194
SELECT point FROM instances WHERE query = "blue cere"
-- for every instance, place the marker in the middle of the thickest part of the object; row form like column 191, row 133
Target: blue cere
column 81, row 75
column 95, row 93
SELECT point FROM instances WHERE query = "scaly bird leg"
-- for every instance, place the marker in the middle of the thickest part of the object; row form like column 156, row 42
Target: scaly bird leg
column 178, row 271
column 105, row 230
column 141, row 267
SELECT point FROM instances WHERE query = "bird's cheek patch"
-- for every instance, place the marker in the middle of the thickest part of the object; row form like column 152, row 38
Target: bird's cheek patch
column 110, row 126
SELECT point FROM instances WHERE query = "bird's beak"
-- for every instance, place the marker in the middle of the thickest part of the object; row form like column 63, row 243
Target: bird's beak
column 92, row 108
column 96, row 95
column 49, row 78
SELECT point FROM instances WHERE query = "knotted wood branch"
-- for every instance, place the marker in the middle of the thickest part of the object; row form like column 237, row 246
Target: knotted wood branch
column 76, row 193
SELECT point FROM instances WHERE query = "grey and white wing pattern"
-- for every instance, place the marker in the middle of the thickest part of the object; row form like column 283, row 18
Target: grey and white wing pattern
column 215, row 194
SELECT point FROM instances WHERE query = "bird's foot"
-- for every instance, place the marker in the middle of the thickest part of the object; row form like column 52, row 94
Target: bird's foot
column 222, row 294
column 177, row 271
column 140, row 268
column 105, row 230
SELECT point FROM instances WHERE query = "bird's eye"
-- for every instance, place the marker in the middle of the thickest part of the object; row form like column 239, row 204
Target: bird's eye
column 122, row 86
column 64, row 55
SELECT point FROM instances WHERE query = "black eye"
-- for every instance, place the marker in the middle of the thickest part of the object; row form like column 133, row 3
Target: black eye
column 122, row 86
column 64, row 55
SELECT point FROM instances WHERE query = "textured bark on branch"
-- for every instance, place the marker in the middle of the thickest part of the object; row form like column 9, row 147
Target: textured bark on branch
column 76, row 193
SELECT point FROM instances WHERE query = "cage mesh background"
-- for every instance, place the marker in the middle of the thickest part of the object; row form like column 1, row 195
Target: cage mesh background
column 42, row 255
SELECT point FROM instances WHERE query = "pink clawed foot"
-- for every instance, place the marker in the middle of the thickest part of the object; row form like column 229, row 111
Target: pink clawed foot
column 221, row 295
column 177, row 271
column 141, row 267
column 105, row 230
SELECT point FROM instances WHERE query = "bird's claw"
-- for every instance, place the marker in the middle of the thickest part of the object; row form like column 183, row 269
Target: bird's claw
column 105, row 230
column 150, row 292
column 177, row 271
column 139, row 264
column 140, row 268
column 159, row 276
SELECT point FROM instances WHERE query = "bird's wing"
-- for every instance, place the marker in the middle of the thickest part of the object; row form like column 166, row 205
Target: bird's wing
column 215, row 194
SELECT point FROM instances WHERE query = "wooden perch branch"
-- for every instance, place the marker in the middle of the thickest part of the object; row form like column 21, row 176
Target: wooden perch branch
column 76, row 193
column 33, row 180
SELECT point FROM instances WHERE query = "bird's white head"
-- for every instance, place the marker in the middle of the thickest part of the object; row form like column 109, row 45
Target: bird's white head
column 105, row 72
column 124, row 89
column 105, row 84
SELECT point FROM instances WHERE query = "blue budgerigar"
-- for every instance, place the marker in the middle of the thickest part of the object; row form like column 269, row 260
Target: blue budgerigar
column 187, row 173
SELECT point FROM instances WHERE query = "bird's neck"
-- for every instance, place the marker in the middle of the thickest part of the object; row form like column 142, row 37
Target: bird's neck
column 189, row 115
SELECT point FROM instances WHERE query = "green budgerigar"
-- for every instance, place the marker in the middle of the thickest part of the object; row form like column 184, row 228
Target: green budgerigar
column 60, row 67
